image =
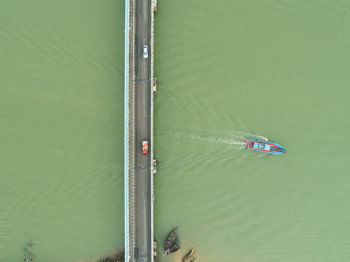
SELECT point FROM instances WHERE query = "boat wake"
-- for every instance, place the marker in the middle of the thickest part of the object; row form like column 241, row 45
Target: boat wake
column 246, row 136
column 233, row 140
column 238, row 139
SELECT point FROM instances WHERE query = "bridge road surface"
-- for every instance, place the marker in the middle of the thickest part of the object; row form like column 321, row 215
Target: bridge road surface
column 143, row 244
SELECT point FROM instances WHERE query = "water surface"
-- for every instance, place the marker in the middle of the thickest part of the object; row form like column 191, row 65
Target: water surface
column 277, row 69
column 61, row 129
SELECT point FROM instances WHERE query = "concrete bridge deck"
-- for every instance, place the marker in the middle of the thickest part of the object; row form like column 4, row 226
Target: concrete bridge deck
column 138, row 127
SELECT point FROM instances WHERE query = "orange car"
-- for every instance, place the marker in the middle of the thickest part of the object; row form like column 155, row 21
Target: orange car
column 145, row 147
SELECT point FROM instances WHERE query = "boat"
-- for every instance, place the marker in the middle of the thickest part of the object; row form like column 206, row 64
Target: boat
column 172, row 243
column 265, row 147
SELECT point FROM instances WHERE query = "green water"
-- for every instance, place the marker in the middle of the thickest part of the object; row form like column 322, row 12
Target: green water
column 226, row 70
column 61, row 129
column 277, row 69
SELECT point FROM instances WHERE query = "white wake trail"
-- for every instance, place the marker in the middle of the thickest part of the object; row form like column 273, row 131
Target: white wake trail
column 249, row 135
column 227, row 141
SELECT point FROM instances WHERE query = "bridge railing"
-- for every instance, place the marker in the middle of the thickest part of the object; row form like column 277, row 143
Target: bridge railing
column 126, row 126
column 152, row 144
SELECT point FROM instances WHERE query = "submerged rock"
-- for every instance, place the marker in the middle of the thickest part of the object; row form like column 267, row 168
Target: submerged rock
column 172, row 243
column 190, row 256
column 28, row 256
column 119, row 257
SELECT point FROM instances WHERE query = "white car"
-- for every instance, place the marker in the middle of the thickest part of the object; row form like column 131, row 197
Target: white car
column 145, row 51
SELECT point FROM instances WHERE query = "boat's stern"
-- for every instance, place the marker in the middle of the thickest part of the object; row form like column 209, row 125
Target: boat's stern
column 249, row 144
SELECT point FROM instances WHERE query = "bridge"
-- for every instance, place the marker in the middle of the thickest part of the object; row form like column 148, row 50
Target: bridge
column 138, row 127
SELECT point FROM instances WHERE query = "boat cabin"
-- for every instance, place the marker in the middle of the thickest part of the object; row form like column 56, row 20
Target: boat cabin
column 259, row 146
